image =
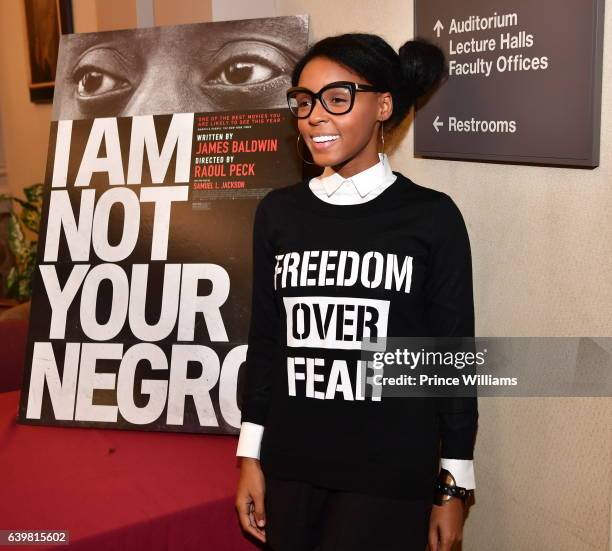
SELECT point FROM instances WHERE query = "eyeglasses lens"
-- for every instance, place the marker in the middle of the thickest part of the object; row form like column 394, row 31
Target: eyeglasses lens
column 337, row 100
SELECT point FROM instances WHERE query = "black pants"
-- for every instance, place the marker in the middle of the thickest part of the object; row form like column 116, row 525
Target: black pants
column 304, row 517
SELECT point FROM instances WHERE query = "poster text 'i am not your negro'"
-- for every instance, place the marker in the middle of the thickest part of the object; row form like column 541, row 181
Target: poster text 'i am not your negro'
column 86, row 187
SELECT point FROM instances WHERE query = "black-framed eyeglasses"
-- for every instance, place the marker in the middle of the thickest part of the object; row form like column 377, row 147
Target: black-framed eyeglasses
column 336, row 98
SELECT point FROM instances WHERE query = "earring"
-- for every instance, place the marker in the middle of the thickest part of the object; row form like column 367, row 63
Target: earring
column 382, row 137
column 298, row 150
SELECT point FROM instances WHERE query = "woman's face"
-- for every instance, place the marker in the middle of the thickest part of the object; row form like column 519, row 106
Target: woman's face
column 355, row 146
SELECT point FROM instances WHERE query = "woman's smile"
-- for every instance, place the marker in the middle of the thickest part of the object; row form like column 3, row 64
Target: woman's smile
column 323, row 142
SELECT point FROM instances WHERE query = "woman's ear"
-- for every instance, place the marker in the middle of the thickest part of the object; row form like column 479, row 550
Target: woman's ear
column 385, row 106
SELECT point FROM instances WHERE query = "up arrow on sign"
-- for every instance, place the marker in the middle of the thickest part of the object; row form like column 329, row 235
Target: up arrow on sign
column 438, row 27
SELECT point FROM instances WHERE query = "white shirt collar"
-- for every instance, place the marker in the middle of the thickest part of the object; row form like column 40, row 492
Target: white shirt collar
column 364, row 181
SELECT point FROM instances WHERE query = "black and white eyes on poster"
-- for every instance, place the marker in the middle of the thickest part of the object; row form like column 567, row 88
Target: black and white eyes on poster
column 200, row 67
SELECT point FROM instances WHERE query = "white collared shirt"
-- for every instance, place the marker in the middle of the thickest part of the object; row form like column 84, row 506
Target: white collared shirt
column 331, row 187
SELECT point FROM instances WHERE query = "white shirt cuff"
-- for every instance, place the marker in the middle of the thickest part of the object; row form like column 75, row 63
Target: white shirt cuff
column 462, row 471
column 249, row 441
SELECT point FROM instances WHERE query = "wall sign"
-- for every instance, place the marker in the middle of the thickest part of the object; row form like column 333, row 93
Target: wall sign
column 524, row 81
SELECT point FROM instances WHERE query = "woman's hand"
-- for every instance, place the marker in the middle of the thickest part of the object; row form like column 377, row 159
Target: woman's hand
column 446, row 525
column 250, row 498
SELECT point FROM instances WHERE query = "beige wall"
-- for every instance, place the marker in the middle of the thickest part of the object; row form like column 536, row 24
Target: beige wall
column 176, row 12
column 542, row 251
column 25, row 125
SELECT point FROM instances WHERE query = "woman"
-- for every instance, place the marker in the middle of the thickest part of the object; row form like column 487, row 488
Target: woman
column 341, row 468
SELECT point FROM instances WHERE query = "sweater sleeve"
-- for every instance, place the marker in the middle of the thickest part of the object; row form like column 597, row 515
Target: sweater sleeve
column 450, row 311
column 263, row 330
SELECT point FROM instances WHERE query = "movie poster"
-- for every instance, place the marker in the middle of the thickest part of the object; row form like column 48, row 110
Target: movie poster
column 163, row 142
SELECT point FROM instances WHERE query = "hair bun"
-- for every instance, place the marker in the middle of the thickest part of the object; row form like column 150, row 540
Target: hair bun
column 422, row 64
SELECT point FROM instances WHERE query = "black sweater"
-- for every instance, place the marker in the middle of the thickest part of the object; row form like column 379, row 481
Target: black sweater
column 324, row 276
